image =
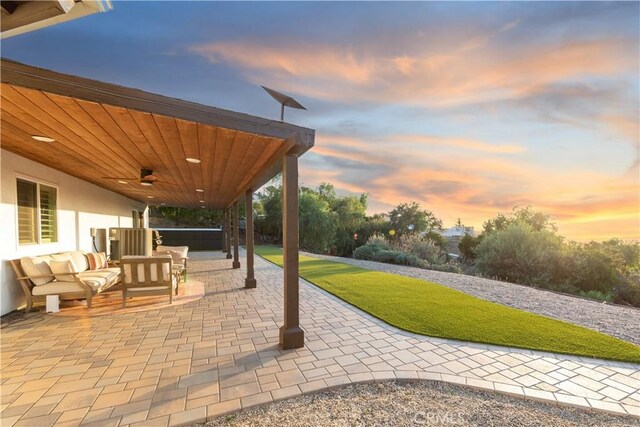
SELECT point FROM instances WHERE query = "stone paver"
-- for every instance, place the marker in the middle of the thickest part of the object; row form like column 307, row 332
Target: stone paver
column 181, row 364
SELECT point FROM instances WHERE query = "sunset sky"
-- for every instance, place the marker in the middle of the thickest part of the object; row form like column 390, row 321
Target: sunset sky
column 468, row 108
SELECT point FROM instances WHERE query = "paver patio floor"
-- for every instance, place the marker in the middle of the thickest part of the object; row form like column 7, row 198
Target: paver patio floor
column 182, row 364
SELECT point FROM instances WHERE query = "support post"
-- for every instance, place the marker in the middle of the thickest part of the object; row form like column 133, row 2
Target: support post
column 225, row 230
column 250, row 281
column 236, row 236
column 291, row 335
column 228, row 236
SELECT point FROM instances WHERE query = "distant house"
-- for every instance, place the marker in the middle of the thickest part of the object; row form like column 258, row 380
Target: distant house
column 458, row 231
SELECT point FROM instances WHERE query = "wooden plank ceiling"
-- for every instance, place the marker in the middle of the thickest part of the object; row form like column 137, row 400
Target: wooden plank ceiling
column 105, row 144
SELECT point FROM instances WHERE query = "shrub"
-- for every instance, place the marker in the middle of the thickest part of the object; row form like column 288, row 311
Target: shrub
column 424, row 249
column 595, row 271
column 519, row 254
column 597, row 295
column 367, row 251
column 397, row 257
column 381, row 252
column 377, row 238
column 627, row 290
column 448, row 268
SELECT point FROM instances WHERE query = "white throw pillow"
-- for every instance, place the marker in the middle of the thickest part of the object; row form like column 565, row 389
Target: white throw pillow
column 59, row 268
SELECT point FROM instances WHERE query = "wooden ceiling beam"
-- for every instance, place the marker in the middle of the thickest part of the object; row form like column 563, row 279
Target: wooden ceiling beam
column 8, row 7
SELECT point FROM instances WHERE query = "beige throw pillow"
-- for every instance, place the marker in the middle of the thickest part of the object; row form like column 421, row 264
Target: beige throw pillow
column 59, row 268
column 37, row 266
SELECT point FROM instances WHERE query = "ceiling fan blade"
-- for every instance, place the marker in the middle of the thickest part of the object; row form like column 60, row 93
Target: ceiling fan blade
column 165, row 182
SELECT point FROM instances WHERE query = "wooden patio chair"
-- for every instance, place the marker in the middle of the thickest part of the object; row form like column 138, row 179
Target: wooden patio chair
column 147, row 276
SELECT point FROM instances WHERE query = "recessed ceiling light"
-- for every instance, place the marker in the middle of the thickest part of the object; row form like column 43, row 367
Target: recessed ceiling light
column 192, row 160
column 199, row 190
column 201, row 201
column 203, row 207
column 149, row 197
column 162, row 204
column 146, row 184
column 42, row 138
column 122, row 182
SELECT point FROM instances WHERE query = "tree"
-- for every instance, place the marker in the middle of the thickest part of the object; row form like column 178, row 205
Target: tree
column 317, row 223
column 467, row 247
column 269, row 222
column 410, row 218
column 376, row 224
column 349, row 216
column 327, row 221
column 188, row 217
column 537, row 220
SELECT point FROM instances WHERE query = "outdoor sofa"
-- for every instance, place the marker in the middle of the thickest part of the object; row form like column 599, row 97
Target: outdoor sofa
column 70, row 275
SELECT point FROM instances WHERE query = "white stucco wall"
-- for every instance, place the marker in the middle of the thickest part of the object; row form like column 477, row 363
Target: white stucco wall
column 81, row 205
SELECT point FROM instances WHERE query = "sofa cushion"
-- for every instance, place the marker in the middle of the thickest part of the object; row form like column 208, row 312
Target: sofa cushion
column 97, row 261
column 79, row 260
column 56, row 287
column 62, row 256
column 59, row 268
column 37, row 266
column 99, row 278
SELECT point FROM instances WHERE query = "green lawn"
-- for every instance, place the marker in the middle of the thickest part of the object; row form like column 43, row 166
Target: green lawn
column 430, row 309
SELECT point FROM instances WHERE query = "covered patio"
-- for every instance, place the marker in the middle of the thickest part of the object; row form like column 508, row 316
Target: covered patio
column 178, row 365
column 199, row 156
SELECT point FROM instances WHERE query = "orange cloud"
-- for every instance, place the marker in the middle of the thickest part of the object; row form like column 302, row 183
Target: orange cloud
column 468, row 144
column 477, row 186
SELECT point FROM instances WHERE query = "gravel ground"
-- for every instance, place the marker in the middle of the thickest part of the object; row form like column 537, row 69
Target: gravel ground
column 413, row 404
column 615, row 320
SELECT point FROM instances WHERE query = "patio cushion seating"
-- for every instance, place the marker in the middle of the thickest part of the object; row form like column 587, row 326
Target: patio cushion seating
column 146, row 276
column 180, row 256
column 38, row 266
column 98, row 278
column 59, row 268
column 56, row 287
column 64, row 274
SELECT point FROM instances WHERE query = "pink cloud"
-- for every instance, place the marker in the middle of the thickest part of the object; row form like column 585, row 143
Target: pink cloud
column 473, row 71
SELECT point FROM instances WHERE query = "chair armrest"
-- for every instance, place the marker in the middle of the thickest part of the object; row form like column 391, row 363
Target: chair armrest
column 81, row 283
column 41, row 276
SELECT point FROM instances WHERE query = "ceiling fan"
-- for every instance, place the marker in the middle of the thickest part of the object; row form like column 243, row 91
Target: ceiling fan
column 147, row 178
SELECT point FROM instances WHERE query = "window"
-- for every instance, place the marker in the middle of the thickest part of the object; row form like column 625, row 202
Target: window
column 27, row 212
column 48, row 215
column 37, row 213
